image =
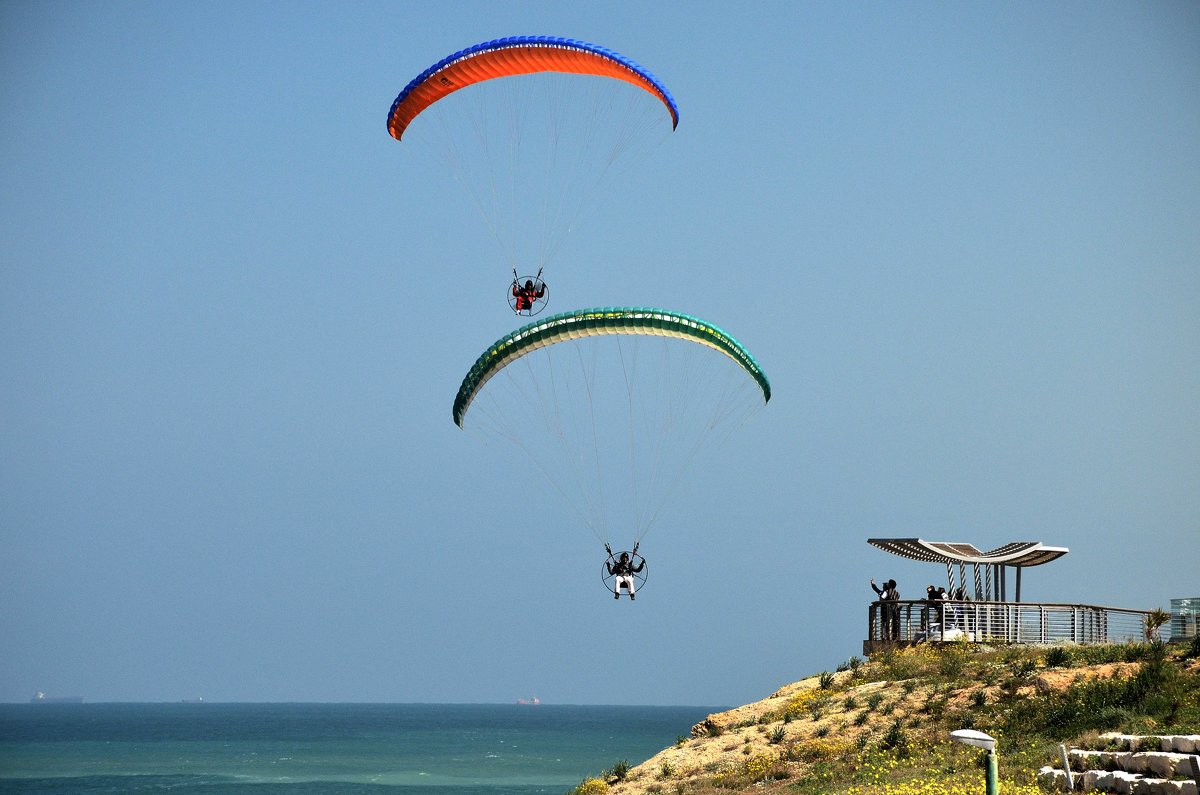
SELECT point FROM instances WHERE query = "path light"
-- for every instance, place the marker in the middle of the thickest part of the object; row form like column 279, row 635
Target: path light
column 987, row 743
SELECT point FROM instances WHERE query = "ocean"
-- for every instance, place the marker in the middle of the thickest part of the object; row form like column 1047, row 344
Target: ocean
column 403, row 749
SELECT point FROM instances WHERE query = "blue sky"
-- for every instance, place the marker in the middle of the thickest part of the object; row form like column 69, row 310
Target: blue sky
column 962, row 240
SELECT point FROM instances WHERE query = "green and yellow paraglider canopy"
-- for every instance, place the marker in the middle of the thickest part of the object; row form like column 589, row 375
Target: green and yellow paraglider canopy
column 600, row 322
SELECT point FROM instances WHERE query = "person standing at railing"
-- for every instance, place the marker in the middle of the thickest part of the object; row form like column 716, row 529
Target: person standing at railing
column 958, row 611
column 889, row 621
column 935, row 599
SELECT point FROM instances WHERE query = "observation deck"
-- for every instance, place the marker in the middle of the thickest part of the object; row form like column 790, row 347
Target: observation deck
column 980, row 609
column 904, row 622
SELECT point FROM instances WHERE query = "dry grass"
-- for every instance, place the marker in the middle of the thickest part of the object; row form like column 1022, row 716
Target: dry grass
column 883, row 727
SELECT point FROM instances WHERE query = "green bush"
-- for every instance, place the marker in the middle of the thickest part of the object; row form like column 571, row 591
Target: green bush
column 618, row 771
column 952, row 661
column 1155, row 691
column 1058, row 657
column 896, row 740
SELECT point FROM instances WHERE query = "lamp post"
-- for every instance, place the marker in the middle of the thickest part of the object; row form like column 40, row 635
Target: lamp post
column 987, row 743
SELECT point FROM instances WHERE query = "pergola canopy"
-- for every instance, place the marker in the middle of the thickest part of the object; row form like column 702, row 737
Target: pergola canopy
column 1017, row 553
column 992, row 584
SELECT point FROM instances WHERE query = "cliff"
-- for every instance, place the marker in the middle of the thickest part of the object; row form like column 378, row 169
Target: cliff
column 874, row 725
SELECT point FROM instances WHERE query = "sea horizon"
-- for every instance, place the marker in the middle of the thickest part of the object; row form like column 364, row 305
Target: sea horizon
column 352, row 747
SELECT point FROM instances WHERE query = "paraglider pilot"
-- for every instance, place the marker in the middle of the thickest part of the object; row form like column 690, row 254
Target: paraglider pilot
column 527, row 294
column 623, row 569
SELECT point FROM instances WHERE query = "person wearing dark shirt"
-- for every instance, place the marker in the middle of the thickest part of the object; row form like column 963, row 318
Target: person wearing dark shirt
column 527, row 294
column 890, row 620
column 623, row 570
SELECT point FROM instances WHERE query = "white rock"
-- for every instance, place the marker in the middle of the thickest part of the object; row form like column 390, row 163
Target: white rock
column 1122, row 782
column 1087, row 782
column 1187, row 765
column 1051, row 778
column 1157, row 763
column 1117, row 760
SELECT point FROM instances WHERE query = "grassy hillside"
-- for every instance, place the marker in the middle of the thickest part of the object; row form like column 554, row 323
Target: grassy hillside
column 881, row 726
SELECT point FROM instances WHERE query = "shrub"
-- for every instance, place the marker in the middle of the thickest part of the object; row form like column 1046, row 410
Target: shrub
column 590, row 786
column 1153, row 621
column 805, row 701
column 1058, row 657
column 952, row 661
column 861, row 718
column 896, row 740
column 906, row 663
column 978, row 698
column 618, row 771
column 826, row 680
column 761, row 767
column 1155, row 692
column 824, row 749
column 934, row 706
column 1134, row 652
column 874, row 700
column 778, row 735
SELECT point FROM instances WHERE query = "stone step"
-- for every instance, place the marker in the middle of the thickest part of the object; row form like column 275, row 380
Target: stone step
column 1161, row 764
column 1133, row 770
column 1178, row 743
column 1117, row 781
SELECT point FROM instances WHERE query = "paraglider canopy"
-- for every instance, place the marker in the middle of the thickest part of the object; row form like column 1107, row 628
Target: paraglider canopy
column 614, row 405
column 518, row 55
column 601, row 322
column 533, row 130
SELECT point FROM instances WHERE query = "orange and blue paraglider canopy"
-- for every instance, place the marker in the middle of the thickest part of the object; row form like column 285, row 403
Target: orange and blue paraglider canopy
column 518, row 55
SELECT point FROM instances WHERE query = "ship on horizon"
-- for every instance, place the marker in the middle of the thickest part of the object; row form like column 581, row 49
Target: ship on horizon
column 529, row 701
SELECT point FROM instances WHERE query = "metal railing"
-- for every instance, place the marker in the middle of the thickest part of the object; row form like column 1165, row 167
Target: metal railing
column 1001, row 622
